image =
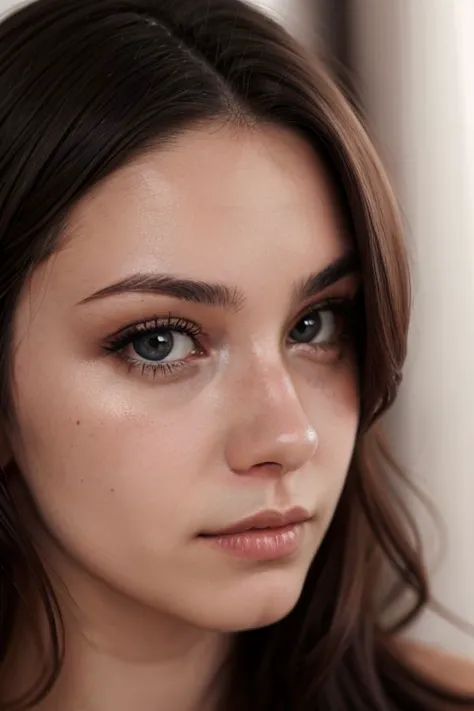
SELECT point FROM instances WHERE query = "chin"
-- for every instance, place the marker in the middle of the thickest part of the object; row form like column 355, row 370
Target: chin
column 260, row 600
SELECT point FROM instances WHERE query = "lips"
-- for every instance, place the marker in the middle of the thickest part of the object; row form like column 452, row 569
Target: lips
column 270, row 519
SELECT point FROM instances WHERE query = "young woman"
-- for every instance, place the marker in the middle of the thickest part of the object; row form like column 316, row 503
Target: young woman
column 204, row 305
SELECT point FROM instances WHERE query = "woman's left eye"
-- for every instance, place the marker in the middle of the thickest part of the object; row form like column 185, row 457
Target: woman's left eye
column 318, row 327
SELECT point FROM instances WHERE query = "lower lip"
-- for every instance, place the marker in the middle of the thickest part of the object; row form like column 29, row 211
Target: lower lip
column 261, row 543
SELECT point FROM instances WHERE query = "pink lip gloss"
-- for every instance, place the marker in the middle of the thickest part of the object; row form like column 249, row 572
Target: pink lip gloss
column 261, row 543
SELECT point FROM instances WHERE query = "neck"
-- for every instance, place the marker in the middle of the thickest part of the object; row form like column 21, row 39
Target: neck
column 120, row 655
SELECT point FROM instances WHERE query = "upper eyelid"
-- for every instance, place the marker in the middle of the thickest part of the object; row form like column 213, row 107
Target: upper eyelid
column 160, row 322
column 324, row 305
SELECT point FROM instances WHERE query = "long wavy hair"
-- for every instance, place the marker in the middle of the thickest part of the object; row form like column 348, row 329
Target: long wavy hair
column 87, row 86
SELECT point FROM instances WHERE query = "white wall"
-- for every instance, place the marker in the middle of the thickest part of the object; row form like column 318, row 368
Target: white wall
column 6, row 5
column 301, row 17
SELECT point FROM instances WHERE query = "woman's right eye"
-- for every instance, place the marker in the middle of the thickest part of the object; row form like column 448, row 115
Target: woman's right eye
column 159, row 347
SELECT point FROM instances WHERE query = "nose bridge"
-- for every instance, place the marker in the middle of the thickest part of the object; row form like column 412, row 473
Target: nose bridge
column 269, row 423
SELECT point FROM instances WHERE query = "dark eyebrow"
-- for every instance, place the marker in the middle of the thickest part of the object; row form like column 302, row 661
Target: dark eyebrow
column 315, row 283
column 217, row 294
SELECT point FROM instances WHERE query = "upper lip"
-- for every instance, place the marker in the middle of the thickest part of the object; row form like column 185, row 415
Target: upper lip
column 266, row 519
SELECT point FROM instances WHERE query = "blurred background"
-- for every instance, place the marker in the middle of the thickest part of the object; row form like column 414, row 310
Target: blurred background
column 410, row 63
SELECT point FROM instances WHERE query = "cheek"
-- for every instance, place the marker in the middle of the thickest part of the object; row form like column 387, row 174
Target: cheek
column 102, row 473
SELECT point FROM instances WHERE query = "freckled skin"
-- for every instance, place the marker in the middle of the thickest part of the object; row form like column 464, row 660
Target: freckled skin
column 125, row 468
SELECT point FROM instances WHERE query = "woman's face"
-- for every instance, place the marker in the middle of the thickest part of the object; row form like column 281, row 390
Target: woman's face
column 152, row 410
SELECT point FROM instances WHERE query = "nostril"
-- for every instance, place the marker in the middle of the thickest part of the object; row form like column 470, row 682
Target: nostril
column 269, row 464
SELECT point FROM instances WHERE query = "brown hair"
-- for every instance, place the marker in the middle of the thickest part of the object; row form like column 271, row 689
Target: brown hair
column 86, row 86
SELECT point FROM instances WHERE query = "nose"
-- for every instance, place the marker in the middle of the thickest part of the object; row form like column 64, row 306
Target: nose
column 270, row 432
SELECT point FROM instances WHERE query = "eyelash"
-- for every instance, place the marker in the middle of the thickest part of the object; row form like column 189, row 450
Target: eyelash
column 342, row 308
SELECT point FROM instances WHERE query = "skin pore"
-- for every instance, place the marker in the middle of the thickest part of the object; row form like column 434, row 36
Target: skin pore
column 127, row 464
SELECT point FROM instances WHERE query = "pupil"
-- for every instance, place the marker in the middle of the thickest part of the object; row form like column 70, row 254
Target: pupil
column 307, row 329
column 154, row 347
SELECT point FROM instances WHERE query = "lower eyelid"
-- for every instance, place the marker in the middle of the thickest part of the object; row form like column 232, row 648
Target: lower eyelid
column 157, row 370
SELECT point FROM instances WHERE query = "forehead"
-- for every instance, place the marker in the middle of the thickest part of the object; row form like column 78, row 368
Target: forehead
column 213, row 203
